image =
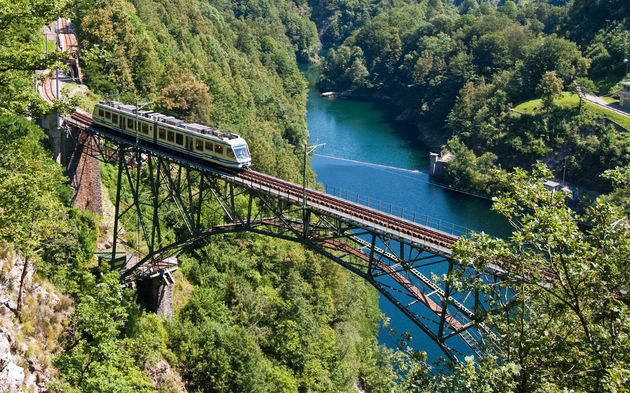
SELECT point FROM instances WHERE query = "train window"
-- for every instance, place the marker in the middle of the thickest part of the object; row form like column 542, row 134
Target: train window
column 162, row 133
column 199, row 144
column 101, row 113
column 145, row 128
column 171, row 136
column 209, row 146
column 218, row 149
column 179, row 139
column 115, row 119
column 130, row 124
column 108, row 115
column 230, row 153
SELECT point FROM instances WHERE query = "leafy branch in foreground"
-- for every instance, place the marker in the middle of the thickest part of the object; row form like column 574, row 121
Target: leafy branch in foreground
column 565, row 325
column 22, row 52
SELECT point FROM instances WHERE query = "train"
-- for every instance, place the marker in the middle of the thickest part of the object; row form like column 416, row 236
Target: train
column 192, row 139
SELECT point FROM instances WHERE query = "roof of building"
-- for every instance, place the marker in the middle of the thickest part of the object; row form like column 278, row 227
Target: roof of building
column 551, row 183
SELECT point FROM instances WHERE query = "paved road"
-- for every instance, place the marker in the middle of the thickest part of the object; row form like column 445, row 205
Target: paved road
column 603, row 103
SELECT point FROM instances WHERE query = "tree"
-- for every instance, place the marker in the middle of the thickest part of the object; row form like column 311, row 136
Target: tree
column 491, row 53
column 22, row 52
column 552, row 54
column 509, row 8
column 31, row 211
column 97, row 355
column 566, row 326
column 186, row 97
column 549, row 88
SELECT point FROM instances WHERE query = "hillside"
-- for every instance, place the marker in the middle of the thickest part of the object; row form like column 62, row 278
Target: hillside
column 264, row 315
column 253, row 314
column 463, row 68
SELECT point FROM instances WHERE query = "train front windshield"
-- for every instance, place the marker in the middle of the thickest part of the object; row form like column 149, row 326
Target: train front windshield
column 241, row 152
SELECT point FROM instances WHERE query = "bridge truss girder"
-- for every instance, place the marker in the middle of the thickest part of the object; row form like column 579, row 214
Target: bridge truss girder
column 170, row 197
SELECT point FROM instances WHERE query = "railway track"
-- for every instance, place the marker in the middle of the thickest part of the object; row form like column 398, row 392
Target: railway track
column 69, row 40
column 355, row 210
column 48, row 89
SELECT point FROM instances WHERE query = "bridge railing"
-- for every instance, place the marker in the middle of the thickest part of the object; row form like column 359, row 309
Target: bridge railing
column 399, row 211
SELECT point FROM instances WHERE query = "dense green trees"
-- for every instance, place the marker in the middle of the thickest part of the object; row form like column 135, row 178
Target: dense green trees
column 268, row 316
column 567, row 325
column 22, row 51
column 230, row 65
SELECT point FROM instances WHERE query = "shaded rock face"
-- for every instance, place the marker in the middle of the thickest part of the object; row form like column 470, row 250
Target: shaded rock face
column 25, row 348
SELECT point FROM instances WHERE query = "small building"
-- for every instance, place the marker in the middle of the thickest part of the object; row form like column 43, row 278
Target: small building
column 624, row 94
column 438, row 164
column 152, row 280
column 551, row 185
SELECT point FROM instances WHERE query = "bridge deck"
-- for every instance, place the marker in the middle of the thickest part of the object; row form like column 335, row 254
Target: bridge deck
column 395, row 227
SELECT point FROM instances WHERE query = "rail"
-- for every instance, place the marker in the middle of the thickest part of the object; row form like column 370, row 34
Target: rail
column 316, row 198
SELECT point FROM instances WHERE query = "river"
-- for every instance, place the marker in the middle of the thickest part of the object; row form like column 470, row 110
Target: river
column 365, row 152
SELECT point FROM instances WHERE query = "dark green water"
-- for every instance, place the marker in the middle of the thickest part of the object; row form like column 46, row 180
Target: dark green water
column 358, row 135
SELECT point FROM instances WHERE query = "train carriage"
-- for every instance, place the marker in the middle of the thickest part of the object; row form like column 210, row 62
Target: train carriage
column 193, row 139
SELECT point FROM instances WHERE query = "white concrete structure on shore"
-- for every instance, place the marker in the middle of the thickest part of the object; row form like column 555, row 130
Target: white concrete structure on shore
column 624, row 95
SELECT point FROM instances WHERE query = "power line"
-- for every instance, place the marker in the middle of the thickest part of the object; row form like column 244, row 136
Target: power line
column 415, row 171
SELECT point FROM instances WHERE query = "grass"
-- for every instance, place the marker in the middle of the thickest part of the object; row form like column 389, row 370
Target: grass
column 614, row 116
column 86, row 98
column 610, row 100
column 570, row 100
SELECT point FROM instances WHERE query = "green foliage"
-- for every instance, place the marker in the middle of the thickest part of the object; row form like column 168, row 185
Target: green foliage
column 422, row 56
column 34, row 213
column 620, row 179
column 22, row 52
column 552, row 54
column 566, row 326
column 229, row 65
column 269, row 316
column 338, row 19
column 97, row 356
column 467, row 171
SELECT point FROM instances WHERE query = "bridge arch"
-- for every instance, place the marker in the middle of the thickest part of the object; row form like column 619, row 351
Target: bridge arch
column 396, row 256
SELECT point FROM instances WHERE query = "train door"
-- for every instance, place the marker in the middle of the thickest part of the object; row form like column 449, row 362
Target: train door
column 122, row 122
column 189, row 143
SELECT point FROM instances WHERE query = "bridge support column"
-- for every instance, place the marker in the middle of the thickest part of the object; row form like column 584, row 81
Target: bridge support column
column 156, row 295
column 56, row 136
column 83, row 169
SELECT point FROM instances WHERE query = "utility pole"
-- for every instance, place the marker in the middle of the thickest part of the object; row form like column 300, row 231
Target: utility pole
column 305, row 215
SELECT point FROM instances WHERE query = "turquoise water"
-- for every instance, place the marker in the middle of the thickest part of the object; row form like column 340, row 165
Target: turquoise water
column 358, row 135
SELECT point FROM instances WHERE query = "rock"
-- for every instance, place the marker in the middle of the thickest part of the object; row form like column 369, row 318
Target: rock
column 11, row 378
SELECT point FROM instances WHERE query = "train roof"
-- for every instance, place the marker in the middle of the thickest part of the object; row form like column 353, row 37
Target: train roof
column 159, row 117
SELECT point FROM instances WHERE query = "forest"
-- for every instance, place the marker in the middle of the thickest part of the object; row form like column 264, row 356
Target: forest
column 254, row 314
column 464, row 69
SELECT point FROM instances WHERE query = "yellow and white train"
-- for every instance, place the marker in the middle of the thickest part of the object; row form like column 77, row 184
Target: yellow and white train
column 192, row 139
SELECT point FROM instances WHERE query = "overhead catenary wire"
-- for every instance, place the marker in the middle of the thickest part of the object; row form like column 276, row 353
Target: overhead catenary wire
column 407, row 170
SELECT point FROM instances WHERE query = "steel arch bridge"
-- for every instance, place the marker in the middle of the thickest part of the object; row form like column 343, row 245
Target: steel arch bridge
column 401, row 259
